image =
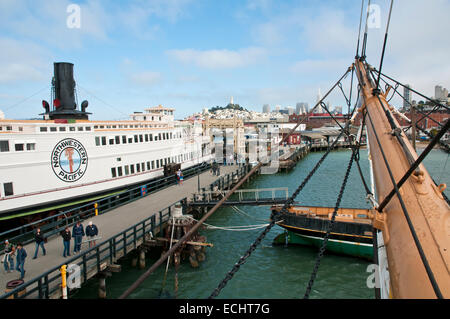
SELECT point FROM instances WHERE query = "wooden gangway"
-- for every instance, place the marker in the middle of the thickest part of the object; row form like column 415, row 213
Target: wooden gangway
column 251, row 197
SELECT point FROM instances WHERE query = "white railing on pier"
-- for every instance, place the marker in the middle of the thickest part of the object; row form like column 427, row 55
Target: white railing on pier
column 255, row 194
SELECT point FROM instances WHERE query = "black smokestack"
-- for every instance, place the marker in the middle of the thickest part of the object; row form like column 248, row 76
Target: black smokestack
column 64, row 87
column 64, row 101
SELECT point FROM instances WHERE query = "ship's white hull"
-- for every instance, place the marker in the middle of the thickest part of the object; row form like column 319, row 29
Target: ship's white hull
column 42, row 175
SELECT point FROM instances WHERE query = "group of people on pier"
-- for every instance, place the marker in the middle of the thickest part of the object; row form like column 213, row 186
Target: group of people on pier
column 19, row 253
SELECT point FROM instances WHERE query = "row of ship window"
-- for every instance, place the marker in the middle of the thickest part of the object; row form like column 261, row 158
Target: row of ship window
column 63, row 128
column 87, row 128
column 125, row 170
column 138, row 138
column 18, row 147
column 148, row 166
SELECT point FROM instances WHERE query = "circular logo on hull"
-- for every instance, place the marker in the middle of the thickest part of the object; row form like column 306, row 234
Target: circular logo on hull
column 69, row 160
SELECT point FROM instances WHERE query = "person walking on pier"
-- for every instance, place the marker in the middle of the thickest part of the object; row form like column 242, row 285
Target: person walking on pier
column 8, row 257
column 39, row 239
column 91, row 233
column 214, row 168
column 218, row 169
column 178, row 176
column 67, row 236
column 181, row 177
column 77, row 234
column 21, row 255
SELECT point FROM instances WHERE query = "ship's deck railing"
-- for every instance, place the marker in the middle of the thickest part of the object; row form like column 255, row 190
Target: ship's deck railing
column 54, row 224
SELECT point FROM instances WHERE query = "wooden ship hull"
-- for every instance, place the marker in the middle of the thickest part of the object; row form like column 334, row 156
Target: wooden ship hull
column 351, row 235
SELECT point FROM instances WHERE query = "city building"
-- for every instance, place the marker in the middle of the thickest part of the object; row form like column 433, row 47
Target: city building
column 440, row 93
column 407, row 97
column 266, row 108
column 290, row 110
column 301, row 108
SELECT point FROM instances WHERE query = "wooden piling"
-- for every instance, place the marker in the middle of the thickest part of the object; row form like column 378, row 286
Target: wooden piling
column 134, row 260
column 141, row 258
column 102, row 286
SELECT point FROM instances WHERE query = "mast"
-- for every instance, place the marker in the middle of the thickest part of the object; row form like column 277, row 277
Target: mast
column 416, row 222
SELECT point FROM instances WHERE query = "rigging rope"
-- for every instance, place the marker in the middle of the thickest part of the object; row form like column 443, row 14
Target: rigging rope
column 384, row 46
column 419, row 111
column 106, row 103
column 357, row 157
column 363, row 50
column 411, row 89
column 240, row 211
column 359, row 29
column 427, row 115
column 443, row 169
column 27, row 98
column 415, row 165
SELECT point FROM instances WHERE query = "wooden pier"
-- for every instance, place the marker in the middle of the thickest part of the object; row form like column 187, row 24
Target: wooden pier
column 129, row 228
column 288, row 160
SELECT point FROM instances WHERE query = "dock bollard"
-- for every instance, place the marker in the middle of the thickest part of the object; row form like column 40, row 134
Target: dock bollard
column 63, row 270
column 134, row 261
column 96, row 209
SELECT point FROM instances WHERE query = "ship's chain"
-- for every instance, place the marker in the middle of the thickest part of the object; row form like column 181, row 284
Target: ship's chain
column 274, row 219
column 330, row 227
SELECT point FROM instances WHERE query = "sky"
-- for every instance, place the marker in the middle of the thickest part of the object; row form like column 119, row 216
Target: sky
column 195, row 54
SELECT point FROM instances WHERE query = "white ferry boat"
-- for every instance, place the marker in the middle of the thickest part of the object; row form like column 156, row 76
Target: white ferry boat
column 65, row 156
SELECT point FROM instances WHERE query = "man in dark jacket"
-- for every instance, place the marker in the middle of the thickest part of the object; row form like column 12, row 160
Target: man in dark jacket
column 20, row 259
column 67, row 236
column 39, row 239
column 91, row 232
column 77, row 234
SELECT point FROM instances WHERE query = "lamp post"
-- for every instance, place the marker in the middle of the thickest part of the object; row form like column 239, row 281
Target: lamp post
column 198, row 179
column 198, row 172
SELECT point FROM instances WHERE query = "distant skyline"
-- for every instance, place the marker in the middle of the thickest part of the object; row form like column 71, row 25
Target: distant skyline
column 195, row 54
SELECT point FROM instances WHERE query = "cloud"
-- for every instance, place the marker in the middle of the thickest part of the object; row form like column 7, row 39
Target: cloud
column 219, row 59
column 309, row 66
column 259, row 4
column 269, row 34
column 134, row 74
column 22, row 62
column 328, row 32
column 146, row 78
column 418, row 49
column 46, row 21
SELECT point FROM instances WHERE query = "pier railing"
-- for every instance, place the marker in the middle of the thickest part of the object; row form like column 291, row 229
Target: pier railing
column 93, row 260
column 243, row 195
column 54, row 224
